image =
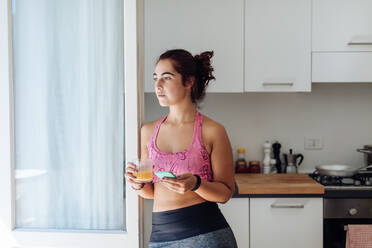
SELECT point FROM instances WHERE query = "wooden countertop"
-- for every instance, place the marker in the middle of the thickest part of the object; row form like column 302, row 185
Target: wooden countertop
column 277, row 184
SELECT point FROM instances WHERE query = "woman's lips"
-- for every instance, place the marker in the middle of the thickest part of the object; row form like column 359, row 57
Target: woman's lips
column 160, row 95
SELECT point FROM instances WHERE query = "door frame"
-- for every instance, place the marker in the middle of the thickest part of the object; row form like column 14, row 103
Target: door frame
column 133, row 64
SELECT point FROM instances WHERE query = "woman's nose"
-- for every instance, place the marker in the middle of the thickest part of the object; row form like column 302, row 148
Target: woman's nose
column 158, row 83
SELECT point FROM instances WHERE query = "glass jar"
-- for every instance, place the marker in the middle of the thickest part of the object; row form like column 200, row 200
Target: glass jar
column 254, row 167
column 241, row 163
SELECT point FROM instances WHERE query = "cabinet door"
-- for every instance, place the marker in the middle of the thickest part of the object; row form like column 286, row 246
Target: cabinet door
column 286, row 222
column 342, row 25
column 236, row 212
column 342, row 41
column 277, row 45
column 197, row 26
column 342, row 67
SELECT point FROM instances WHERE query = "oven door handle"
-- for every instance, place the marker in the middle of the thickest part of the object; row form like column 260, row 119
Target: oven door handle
column 287, row 205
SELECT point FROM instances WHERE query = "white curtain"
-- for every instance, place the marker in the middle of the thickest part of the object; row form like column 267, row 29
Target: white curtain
column 69, row 113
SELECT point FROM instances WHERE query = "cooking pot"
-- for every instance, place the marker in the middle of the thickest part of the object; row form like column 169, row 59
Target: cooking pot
column 367, row 150
column 337, row 170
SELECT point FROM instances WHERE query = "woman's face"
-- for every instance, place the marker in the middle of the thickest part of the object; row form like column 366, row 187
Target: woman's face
column 168, row 84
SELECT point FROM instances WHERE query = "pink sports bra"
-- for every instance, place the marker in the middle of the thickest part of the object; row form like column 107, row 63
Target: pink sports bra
column 194, row 159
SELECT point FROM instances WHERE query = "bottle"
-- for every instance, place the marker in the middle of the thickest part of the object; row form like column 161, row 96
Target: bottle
column 254, row 167
column 267, row 158
column 241, row 163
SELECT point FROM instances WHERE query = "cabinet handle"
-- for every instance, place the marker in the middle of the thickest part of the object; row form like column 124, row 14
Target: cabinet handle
column 359, row 43
column 287, row 205
column 277, row 84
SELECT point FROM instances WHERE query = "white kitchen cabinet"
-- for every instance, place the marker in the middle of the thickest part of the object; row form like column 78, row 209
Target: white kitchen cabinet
column 286, row 222
column 236, row 212
column 197, row 26
column 342, row 25
column 277, row 45
column 342, row 67
column 342, row 41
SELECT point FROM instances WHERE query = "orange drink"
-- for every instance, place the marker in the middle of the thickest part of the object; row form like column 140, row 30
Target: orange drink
column 144, row 176
column 144, row 170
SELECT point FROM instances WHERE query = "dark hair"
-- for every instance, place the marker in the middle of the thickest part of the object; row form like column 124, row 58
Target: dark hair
column 198, row 66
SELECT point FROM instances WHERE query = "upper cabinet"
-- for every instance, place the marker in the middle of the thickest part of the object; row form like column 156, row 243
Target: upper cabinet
column 265, row 45
column 277, row 45
column 197, row 26
column 342, row 41
column 342, row 25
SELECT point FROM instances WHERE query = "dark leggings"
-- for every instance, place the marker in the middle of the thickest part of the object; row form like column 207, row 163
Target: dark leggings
column 197, row 222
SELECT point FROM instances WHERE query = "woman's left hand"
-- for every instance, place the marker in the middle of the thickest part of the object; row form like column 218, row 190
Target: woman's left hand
column 181, row 184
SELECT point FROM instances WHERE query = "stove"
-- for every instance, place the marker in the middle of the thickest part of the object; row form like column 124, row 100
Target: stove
column 357, row 186
column 347, row 201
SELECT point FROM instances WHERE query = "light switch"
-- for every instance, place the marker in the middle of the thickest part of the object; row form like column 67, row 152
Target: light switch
column 313, row 143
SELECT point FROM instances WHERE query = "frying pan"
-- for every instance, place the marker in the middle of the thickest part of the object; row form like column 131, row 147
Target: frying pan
column 337, row 170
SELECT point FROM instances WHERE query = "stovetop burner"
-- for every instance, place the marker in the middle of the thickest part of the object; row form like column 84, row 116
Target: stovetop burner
column 360, row 179
column 357, row 186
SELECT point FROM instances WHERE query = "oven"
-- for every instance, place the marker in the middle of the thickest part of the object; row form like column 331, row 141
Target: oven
column 341, row 212
column 347, row 201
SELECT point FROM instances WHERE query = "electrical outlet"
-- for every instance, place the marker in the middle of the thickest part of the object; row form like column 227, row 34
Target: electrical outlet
column 313, row 143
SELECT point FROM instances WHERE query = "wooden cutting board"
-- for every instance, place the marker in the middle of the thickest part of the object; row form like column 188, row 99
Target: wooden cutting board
column 277, row 184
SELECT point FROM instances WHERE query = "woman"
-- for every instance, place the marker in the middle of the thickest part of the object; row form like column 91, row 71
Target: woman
column 194, row 148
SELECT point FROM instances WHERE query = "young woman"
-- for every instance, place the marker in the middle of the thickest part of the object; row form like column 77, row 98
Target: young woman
column 193, row 147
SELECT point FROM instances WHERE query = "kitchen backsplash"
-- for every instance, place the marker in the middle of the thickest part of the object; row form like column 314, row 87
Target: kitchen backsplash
column 341, row 114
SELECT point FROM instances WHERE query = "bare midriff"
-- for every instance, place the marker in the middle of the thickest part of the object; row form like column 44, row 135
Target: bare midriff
column 165, row 199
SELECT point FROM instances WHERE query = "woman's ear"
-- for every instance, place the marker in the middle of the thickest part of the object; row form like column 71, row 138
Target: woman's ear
column 190, row 82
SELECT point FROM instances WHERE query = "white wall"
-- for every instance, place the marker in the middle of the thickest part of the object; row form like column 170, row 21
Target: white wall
column 340, row 113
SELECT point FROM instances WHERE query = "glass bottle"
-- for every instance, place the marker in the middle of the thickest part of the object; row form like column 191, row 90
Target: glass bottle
column 254, row 167
column 241, row 163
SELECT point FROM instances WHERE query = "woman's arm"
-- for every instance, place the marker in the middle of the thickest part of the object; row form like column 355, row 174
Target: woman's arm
column 222, row 187
column 147, row 191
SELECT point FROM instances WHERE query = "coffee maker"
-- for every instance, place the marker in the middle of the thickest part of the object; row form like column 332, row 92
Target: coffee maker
column 290, row 160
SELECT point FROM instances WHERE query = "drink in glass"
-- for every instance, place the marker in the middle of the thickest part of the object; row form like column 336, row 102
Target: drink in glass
column 144, row 168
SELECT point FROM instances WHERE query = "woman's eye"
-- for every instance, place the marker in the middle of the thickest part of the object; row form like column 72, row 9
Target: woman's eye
column 155, row 79
column 167, row 78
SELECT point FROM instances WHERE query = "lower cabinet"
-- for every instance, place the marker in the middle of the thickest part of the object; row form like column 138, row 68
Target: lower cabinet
column 236, row 212
column 286, row 222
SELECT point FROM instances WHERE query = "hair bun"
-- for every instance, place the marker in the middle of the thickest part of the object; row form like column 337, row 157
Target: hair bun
column 204, row 67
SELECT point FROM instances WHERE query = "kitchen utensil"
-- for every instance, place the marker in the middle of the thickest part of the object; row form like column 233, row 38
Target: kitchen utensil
column 276, row 152
column 291, row 161
column 367, row 150
column 267, row 158
column 338, row 170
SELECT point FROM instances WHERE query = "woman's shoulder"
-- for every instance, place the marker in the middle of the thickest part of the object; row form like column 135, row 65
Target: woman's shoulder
column 212, row 128
column 147, row 129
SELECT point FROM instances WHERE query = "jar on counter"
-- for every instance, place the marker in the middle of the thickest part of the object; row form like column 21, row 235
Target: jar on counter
column 254, row 167
column 241, row 164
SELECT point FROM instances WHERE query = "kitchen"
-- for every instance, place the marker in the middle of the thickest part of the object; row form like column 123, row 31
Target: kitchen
column 291, row 71
column 333, row 110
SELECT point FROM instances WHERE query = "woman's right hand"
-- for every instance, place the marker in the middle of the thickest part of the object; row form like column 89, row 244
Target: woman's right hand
column 130, row 173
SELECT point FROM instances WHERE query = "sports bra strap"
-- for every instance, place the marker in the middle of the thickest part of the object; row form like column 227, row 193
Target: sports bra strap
column 156, row 130
column 198, row 129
